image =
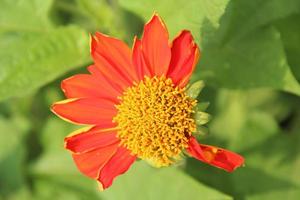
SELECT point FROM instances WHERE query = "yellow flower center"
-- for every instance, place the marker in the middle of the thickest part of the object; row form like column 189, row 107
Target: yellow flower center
column 155, row 120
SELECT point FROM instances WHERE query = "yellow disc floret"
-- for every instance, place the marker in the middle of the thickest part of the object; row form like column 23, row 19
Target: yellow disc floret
column 155, row 120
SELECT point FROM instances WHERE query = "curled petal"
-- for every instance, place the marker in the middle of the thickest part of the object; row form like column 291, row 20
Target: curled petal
column 90, row 163
column 86, row 85
column 88, row 139
column 185, row 55
column 117, row 165
column 156, row 47
column 94, row 111
column 215, row 156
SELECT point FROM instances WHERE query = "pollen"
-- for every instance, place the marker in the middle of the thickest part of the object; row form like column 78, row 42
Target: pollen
column 155, row 120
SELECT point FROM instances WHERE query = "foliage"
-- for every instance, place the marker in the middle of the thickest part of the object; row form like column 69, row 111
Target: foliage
column 249, row 63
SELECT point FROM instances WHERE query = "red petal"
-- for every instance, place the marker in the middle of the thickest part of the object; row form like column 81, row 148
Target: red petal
column 185, row 55
column 85, row 85
column 90, row 163
column 215, row 156
column 156, row 47
column 93, row 111
column 116, row 166
column 139, row 60
column 90, row 139
column 113, row 57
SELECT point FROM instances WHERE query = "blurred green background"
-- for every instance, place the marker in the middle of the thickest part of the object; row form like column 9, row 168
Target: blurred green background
column 251, row 65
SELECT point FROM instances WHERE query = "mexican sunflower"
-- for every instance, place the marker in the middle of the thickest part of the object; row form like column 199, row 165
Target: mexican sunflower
column 136, row 105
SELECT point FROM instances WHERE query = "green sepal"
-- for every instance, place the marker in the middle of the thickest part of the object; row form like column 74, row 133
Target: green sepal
column 201, row 131
column 201, row 118
column 194, row 90
column 202, row 106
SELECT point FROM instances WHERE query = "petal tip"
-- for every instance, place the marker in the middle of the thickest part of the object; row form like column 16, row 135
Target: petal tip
column 56, row 109
column 155, row 46
column 100, row 186
column 136, row 41
column 156, row 19
column 93, row 44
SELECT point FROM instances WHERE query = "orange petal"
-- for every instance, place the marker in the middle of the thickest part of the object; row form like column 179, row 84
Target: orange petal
column 91, row 139
column 215, row 156
column 156, row 47
column 113, row 56
column 85, row 85
column 139, row 60
column 110, row 72
column 90, row 163
column 94, row 111
column 107, row 81
column 116, row 166
column 185, row 55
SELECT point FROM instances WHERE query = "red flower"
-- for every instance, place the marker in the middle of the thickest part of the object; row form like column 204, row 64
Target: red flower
column 136, row 105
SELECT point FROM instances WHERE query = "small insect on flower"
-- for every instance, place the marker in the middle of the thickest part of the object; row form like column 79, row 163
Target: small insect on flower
column 137, row 105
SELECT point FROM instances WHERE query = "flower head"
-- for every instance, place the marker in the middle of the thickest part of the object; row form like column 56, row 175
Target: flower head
column 137, row 106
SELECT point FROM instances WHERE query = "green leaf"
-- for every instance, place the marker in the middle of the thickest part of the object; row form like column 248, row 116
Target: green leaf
column 271, row 156
column 33, row 51
column 56, row 161
column 54, row 132
column 246, row 16
column 25, row 15
column 247, row 51
column 191, row 16
column 290, row 34
column 194, row 90
column 12, row 154
column 145, row 182
column 30, row 62
column 292, row 193
column 54, row 172
column 230, row 115
column 255, row 61
column 62, row 190
column 280, row 160
column 99, row 13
